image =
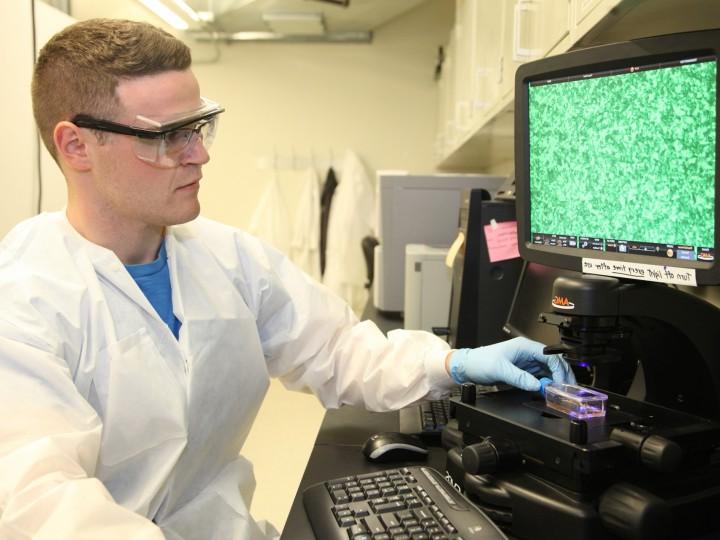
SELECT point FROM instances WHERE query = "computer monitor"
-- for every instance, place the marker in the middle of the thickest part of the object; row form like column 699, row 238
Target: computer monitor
column 616, row 159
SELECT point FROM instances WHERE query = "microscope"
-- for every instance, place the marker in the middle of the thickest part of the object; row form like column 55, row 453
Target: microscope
column 648, row 468
column 617, row 182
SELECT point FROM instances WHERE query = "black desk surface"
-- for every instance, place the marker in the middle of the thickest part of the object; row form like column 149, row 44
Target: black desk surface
column 337, row 452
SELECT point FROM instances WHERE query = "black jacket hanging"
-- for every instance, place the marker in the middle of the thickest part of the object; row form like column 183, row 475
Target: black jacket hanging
column 326, row 196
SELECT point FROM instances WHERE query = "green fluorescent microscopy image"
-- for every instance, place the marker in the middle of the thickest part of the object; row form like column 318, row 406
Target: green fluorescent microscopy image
column 628, row 157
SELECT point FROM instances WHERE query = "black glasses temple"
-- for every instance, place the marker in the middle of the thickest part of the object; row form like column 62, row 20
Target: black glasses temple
column 84, row 121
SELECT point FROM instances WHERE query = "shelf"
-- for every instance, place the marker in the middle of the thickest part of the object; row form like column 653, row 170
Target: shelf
column 487, row 142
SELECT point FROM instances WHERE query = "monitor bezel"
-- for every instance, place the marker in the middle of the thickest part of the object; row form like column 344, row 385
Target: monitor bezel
column 601, row 58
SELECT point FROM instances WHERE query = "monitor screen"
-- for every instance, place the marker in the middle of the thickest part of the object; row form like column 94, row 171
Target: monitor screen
column 618, row 156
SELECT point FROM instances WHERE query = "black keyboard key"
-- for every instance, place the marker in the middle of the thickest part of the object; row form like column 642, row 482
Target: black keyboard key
column 389, row 521
column 357, row 530
column 359, row 509
column 405, row 515
column 338, row 494
column 372, row 493
column 346, row 521
column 413, row 502
column 374, row 525
column 389, row 507
column 412, row 522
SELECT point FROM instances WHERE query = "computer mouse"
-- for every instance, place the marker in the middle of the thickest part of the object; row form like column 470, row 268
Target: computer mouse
column 394, row 446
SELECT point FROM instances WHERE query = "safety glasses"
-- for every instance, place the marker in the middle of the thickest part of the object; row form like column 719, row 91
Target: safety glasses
column 163, row 142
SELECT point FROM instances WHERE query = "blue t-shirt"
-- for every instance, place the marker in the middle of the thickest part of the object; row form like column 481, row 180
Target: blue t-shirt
column 154, row 281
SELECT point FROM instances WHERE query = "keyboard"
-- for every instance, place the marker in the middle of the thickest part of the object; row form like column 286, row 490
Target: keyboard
column 428, row 418
column 408, row 503
column 425, row 419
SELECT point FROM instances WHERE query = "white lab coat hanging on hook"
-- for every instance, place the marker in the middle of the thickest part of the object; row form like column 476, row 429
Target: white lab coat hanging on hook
column 305, row 245
column 270, row 219
column 351, row 219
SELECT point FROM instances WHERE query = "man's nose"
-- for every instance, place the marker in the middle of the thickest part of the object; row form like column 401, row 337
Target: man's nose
column 195, row 153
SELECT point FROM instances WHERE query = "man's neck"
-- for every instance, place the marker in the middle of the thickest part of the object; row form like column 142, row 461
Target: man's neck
column 133, row 243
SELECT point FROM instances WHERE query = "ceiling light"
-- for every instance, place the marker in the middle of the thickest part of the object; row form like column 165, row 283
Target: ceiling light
column 165, row 13
column 295, row 24
column 190, row 12
column 206, row 16
column 343, row 3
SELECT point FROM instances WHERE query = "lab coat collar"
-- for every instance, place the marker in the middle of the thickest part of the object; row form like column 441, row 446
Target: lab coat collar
column 107, row 264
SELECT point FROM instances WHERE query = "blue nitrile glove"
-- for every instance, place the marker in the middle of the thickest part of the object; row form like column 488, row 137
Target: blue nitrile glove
column 517, row 362
column 543, row 383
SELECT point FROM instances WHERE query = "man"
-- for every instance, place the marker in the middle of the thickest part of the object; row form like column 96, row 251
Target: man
column 137, row 340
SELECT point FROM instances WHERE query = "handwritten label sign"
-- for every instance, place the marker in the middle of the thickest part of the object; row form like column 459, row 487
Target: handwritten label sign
column 454, row 249
column 501, row 240
column 645, row 272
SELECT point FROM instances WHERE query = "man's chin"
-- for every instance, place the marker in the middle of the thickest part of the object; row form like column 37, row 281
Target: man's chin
column 185, row 217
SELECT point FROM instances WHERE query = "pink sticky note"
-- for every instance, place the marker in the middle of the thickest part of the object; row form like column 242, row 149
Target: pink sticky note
column 501, row 241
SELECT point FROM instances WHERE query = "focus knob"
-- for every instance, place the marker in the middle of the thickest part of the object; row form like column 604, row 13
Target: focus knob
column 654, row 451
column 490, row 456
column 467, row 393
column 661, row 454
column 633, row 513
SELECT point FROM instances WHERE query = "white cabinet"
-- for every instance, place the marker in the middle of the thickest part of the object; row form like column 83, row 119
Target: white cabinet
column 583, row 8
column 587, row 13
column 464, row 36
column 487, row 71
column 446, row 100
column 537, row 26
column 491, row 38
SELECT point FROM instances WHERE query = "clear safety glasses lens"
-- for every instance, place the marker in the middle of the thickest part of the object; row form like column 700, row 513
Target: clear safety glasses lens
column 168, row 149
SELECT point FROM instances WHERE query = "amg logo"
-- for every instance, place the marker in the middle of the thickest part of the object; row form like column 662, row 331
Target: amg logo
column 562, row 302
column 452, row 482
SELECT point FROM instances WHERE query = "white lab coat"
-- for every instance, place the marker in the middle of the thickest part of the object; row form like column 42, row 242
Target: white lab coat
column 305, row 245
column 109, row 422
column 270, row 219
column 352, row 217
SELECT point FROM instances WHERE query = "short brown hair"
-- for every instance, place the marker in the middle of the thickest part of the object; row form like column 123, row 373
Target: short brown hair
column 79, row 69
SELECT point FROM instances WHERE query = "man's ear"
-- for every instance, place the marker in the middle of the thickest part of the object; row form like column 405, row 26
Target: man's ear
column 70, row 143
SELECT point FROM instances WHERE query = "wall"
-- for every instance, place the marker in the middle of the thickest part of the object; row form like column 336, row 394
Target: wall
column 318, row 99
column 311, row 100
column 18, row 152
column 49, row 21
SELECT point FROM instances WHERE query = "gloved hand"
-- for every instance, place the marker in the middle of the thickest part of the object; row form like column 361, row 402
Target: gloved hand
column 519, row 362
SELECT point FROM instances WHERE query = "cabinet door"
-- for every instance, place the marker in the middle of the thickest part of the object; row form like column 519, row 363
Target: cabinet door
column 538, row 25
column 583, row 8
column 464, row 37
column 587, row 13
column 489, row 18
column 532, row 28
column 446, row 97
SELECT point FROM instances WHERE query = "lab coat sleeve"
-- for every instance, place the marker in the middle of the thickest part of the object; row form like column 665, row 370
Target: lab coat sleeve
column 312, row 340
column 49, row 443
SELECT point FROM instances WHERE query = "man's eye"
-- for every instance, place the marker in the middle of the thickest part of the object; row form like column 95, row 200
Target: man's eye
column 179, row 137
